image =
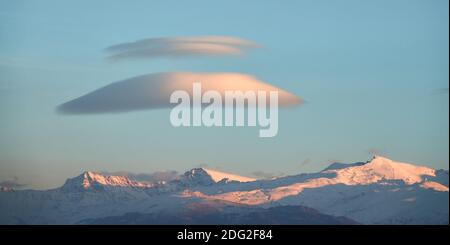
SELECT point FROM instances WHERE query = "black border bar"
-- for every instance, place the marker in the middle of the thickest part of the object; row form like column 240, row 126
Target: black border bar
column 169, row 233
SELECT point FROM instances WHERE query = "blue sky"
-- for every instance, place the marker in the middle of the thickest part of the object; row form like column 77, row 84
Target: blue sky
column 374, row 75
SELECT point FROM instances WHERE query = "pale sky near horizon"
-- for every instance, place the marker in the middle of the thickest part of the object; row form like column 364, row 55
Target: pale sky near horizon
column 374, row 75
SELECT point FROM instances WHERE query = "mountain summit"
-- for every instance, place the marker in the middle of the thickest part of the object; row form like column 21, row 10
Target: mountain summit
column 90, row 179
column 381, row 168
column 208, row 176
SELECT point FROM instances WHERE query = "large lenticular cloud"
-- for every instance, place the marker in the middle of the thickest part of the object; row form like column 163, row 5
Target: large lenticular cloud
column 153, row 91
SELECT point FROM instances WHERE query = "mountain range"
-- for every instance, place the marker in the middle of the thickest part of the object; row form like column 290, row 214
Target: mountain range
column 378, row 191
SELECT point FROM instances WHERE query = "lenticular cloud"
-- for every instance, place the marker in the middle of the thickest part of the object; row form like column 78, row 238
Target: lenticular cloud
column 180, row 47
column 153, row 91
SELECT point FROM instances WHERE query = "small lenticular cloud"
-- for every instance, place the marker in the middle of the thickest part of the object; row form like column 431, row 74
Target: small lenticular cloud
column 180, row 47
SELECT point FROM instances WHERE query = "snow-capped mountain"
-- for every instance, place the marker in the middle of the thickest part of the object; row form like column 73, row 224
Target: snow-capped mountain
column 89, row 180
column 213, row 176
column 379, row 191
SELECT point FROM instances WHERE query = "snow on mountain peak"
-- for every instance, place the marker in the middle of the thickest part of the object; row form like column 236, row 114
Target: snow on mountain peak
column 89, row 179
column 218, row 176
column 381, row 168
column 208, row 176
column 377, row 170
